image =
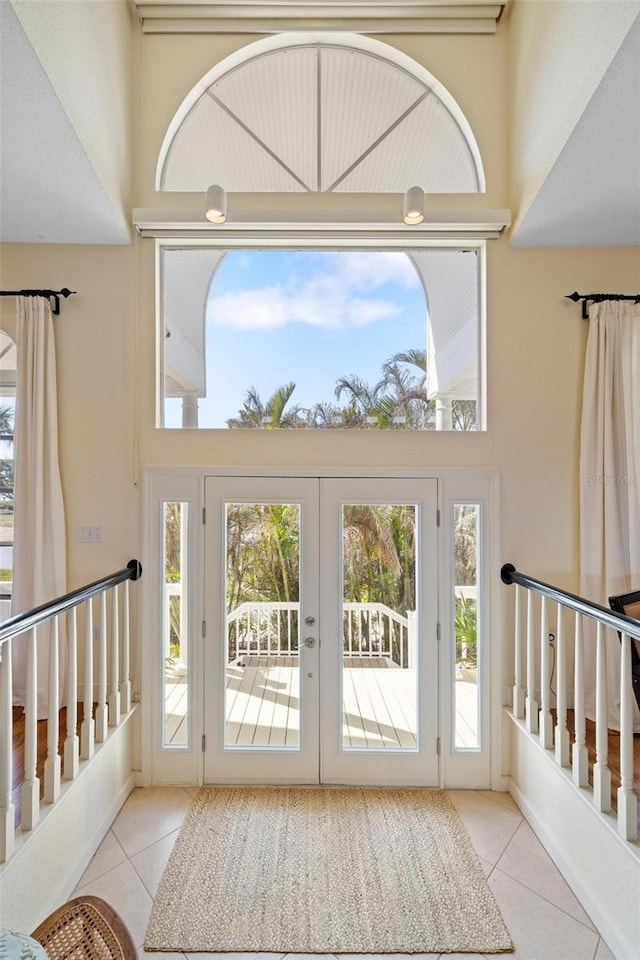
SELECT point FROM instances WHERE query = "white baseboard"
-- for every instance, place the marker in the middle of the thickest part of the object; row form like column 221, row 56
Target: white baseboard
column 602, row 869
column 49, row 860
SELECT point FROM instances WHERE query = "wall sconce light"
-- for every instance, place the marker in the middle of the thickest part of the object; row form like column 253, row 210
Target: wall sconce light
column 413, row 207
column 216, row 208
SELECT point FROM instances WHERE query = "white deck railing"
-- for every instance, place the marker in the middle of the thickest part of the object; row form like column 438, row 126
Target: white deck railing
column 271, row 629
column 105, row 682
column 375, row 630
column 550, row 609
column 263, row 629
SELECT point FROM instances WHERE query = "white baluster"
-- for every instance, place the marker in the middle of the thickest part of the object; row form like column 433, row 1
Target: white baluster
column 601, row 772
column 546, row 720
column 562, row 733
column 72, row 743
column 87, row 730
column 52, row 763
column 125, row 684
column 31, row 784
column 531, row 705
column 518, row 688
column 7, row 809
column 627, row 800
column 102, row 714
column 579, row 753
column 114, row 692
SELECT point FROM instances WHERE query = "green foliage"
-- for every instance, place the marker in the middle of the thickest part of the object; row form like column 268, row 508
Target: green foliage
column 6, row 575
column 6, row 482
column 172, row 542
column 466, row 631
column 6, row 422
column 466, row 544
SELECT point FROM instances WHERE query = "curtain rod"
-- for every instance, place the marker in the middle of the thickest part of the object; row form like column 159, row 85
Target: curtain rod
column 50, row 294
column 598, row 298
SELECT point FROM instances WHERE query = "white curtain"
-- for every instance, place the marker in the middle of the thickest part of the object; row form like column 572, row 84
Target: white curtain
column 39, row 553
column 610, row 477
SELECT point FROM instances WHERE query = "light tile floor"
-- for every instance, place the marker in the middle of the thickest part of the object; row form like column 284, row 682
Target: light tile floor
column 545, row 920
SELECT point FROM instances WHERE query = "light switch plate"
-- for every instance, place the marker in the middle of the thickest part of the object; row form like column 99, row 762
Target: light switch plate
column 90, row 534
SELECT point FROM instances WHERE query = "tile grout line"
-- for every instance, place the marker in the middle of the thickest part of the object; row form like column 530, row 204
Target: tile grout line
column 537, row 893
column 105, row 872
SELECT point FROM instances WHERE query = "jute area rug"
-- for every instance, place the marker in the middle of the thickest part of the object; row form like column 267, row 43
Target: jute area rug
column 321, row 870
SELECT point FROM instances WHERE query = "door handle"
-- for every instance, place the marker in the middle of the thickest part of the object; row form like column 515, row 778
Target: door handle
column 309, row 642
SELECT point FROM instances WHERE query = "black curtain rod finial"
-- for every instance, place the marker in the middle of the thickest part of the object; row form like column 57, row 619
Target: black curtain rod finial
column 588, row 298
column 49, row 294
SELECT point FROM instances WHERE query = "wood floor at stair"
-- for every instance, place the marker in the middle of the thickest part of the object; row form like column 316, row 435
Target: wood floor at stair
column 18, row 753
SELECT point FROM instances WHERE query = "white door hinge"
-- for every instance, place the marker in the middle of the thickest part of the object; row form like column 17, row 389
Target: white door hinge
column 204, row 743
column 204, row 628
column 437, row 746
column 204, row 514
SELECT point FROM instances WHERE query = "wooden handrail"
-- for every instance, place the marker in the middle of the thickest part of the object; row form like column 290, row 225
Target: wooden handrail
column 610, row 618
column 31, row 618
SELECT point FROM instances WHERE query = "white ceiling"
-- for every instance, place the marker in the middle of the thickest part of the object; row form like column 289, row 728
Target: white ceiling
column 591, row 197
column 50, row 192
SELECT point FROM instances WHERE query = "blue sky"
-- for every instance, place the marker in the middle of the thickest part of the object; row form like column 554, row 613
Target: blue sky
column 279, row 315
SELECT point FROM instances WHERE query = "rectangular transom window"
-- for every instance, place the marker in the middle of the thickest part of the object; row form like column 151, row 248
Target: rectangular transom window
column 317, row 339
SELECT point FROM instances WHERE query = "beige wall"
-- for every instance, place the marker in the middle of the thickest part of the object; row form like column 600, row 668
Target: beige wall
column 95, row 348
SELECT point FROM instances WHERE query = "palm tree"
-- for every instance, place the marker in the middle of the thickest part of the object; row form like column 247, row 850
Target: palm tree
column 363, row 398
column 271, row 414
column 379, row 555
column 330, row 416
column 409, row 388
column 464, row 415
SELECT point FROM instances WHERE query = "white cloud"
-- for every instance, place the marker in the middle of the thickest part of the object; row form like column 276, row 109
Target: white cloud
column 364, row 312
column 261, row 309
column 334, row 298
column 373, row 268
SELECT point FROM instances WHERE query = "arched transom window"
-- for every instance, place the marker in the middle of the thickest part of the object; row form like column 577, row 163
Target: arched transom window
column 352, row 115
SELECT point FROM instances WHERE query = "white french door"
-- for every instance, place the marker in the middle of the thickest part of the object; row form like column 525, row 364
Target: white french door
column 321, row 615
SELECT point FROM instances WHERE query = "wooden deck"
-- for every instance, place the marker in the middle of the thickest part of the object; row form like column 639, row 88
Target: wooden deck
column 262, row 705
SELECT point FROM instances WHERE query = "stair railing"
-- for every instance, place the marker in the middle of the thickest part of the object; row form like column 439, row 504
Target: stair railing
column 538, row 716
column 108, row 678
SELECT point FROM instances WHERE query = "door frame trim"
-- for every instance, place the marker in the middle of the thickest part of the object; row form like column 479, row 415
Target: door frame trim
column 158, row 478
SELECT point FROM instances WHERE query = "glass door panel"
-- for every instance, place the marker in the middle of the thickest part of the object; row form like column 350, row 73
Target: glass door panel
column 379, row 616
column 176, row 677
column 262, row 604
column 261, row 657
column 379, row 647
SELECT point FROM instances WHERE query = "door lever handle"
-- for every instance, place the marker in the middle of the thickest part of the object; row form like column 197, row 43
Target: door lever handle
column 309, row 642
